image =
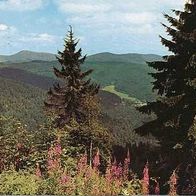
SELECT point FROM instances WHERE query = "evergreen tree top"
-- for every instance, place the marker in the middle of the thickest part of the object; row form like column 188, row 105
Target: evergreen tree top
column 174, row 80
column 70, row 56
column 67, row 99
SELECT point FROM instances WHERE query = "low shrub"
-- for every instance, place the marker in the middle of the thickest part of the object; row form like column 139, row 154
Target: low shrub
column 18, row 183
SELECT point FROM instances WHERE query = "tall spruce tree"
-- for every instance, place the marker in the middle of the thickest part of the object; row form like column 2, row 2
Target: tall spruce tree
column 175, row 83
column 67, row 99
column 74, row 104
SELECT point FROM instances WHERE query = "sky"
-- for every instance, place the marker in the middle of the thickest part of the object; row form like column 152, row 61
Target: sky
column 117, row 26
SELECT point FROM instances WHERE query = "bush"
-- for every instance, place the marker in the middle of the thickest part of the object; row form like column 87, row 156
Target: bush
column 15, row 144
column 15, row 183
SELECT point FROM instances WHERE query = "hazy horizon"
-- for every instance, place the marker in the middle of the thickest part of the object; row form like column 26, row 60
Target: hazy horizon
column 116, row 27
column 10, row 54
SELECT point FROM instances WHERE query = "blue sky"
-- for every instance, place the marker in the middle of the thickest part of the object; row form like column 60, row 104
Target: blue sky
column 118, row 26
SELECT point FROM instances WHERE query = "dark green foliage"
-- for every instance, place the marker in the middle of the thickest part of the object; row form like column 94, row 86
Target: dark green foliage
column 22, row 101
column 26, row 77
column 116, row 115
column 67, row 100
column 175, row 83
column 21, row 148
column 123, row 116
column 14, row 144
column 75, row 105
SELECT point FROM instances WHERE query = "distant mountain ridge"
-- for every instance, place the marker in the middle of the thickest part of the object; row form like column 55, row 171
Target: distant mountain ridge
column 27, row 56
column 107, row 57
column 128, row 73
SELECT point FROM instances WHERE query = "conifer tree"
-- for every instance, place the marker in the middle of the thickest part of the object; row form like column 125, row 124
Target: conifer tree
column 74, row 104
column 175, row 83
column 67, row 98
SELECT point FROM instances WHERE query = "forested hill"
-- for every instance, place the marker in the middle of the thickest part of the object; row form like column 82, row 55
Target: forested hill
column 124, row 79
column 26, row 77
column 26, row 56
column 128, row 73
column 24, row 100
column 123, row 58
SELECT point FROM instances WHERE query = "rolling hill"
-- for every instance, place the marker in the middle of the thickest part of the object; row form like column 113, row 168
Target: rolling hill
column 21, row 101
column 128, row 73
column 124, row 78
column 26, row 56
column 107, row 57
column 26, row 77
column 25, row 102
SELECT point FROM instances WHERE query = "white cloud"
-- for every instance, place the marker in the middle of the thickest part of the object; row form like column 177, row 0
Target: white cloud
column 10, row 35
column 115, row 18
column 141, row 16
column 20, row 5
column 7, row 30
column 138, row 18
column 15, row 40
column 118, row 23
column 148, row 5
column 43, row 37
column 3, row 27
column 136, row 21
column 82, row 7
column 94, row 6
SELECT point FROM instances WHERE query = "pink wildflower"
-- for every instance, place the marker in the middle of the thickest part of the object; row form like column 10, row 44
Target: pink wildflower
column 96, row 160
column 146, row 174
column 58, row 149
column 88, row 173
column 38, row 171
column 19, row 146
column 53, row 165
column 173, row 183
column 157, row 188
column 113, row 177
column 54, row 157
column 64, row 179
column 146, row 179
column 108, row 175
column 50, row 152
column 126, row 166
column 82, row 163
column 114, row 171
column 128, row 158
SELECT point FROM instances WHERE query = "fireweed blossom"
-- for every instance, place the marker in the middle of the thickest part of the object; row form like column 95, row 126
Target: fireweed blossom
column 82, row 163
column 126, row 166
column 64, row 179
column 38, row 171
column 54, row 157
column 157, row 188
column 173, row 183
column 146, row 179
column 96, row 160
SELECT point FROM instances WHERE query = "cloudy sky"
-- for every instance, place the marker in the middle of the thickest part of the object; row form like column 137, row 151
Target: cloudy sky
column 118, row 26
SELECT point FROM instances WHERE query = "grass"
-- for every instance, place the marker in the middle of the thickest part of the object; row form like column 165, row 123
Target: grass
column 111, row 89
